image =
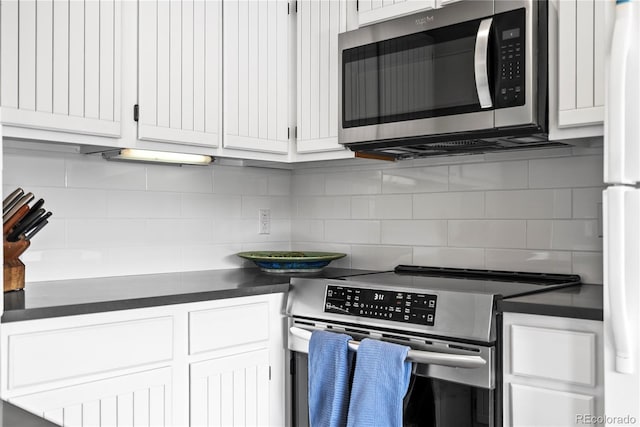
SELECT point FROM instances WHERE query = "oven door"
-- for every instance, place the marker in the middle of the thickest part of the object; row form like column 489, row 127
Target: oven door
column 447, row 392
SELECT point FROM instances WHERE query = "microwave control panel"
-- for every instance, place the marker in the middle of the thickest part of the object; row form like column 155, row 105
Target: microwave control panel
column 510, row 35
column 407, row 307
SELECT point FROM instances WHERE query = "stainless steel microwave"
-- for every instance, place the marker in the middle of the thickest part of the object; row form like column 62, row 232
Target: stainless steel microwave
column 469, row 77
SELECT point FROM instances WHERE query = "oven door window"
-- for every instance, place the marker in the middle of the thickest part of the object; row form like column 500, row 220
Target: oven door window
column 436, row 403
column 421, row 75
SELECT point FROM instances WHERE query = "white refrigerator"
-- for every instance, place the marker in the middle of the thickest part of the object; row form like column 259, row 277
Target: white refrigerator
column 621, row 220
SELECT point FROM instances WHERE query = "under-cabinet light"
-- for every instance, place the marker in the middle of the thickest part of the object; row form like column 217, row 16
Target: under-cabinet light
column 148, row 156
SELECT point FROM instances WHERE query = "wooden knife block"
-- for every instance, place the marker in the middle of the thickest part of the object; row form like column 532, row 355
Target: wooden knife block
column 13, row 267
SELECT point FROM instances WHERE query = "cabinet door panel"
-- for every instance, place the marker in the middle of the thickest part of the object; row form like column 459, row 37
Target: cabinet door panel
column 256, row 92
column 179, row 71
column 317, row 75
column 582, row 36
column 231, row 391
column 140, row 399
column 534, row 406
column 66, row 55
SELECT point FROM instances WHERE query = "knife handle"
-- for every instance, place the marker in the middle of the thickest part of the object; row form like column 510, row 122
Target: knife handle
column 20, row 213
column 11, row 199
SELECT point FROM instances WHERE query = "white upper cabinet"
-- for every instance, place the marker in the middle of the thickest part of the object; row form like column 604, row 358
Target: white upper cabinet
column 319, row 22
column 580, row 32
column 180, row 70
column 60, row 65
column 257, row 84
column 371, row 11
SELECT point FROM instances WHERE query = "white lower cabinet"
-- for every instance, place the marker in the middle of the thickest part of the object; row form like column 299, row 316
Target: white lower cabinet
column 212, row 363
column 140, row 399
column 552, row 372
column 231, row 391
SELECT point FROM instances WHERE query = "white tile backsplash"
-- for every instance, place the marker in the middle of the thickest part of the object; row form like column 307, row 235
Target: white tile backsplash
column 487, row 234
column 523, row 204
column 396, row 206
column 449, row 205
column 523, row 212
column 414, row 232
column 488, row 176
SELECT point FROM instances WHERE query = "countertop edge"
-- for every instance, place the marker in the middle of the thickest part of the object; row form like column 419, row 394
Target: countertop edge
column 130, row 304
column 507, row 306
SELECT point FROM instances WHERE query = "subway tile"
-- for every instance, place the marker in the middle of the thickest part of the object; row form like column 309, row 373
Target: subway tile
column 105, row 233
column 163, row 232
column 540, row 234
column 61, row 264
column 488, row 176
column 98, row 173
column 415, row 180
column 347, row 231
column 526, row 204
column 449, row 257
column 307, row 230
column 237, row 180
column 587, row 203
column 576, row 235
column 379, row 257
column 448, row 205
column 566, row 172
column 141, row 204
column 280, row 207
column 279, row 185
column 210, row 257
column 589, row 266
column 527, row 260
column 414, row 232
column 381, row 207
column 329, row 207
column 487, row 233
column 358, row 182
column 536, row 153
column 210, row 206
column 303, row 184
column 185, row 179
column 144, row 259
column 33, row 169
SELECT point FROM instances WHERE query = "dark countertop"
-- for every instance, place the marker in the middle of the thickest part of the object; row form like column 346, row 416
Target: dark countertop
column 12, row 416
column 581, row 302
column 82, row 296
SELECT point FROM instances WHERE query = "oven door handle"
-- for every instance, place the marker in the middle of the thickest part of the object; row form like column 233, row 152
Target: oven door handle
column 417, row 356
column 481, row 65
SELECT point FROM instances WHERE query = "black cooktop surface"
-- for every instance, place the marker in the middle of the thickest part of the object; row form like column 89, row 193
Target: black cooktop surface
column 506, row 284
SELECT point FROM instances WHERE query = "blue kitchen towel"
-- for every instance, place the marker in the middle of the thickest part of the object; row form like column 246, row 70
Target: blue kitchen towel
column 329, row 375
column 380, row 381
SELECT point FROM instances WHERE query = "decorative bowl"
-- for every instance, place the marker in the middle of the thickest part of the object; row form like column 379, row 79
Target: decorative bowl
column 291, row 261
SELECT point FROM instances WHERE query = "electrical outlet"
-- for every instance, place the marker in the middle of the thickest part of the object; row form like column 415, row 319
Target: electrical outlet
column 264, row 221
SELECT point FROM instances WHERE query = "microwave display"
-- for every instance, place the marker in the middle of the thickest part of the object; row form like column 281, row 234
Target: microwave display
column 432, row 73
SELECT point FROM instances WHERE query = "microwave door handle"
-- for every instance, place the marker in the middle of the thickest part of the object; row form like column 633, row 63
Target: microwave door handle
column 481, row 65
column 417, row 356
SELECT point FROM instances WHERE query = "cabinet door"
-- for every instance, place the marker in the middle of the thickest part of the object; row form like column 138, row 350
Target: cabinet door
column 141, row 399
column 582, row 40
column 371, row 11
column 319, row 22
column 231, row 391
column 60, row 65
column 256, row 69
column 180, row 63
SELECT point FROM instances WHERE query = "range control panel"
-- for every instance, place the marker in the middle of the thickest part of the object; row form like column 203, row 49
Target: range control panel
column 404, row 307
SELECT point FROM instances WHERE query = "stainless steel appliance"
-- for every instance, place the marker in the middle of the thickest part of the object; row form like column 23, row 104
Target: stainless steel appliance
column 446, row 316
column 468, row 77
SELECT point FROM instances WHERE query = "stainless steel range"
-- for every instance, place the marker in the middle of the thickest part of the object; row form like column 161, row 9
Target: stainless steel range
column 446, row 316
